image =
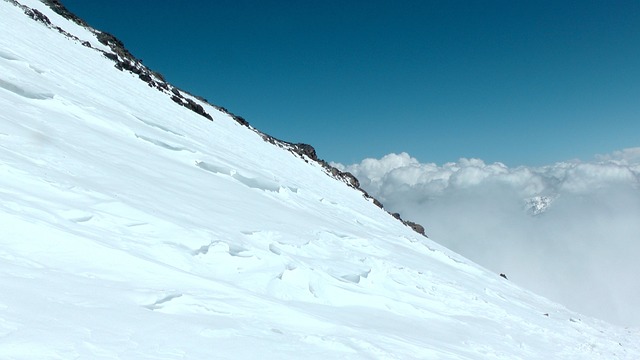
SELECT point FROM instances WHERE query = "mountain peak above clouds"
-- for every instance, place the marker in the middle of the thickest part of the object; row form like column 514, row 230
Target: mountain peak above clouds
column 135, row 226
column 556, row 228
column 538, row 204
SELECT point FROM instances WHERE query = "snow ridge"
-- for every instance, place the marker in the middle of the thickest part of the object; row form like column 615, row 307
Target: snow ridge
column 126, row 61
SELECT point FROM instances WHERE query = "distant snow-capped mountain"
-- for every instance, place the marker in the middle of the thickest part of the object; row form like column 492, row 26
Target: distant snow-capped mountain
column 538, row 204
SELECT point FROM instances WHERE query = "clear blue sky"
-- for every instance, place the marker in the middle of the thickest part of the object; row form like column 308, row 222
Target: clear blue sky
column 521, row 82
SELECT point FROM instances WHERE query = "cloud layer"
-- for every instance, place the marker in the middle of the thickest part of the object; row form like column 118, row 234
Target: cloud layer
column 582, row 248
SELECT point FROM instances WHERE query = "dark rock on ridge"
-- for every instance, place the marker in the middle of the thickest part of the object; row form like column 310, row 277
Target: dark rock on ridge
column 61, row 10
column 306, row 151
column 124, row 60
column 38, row 16
column 415, row 226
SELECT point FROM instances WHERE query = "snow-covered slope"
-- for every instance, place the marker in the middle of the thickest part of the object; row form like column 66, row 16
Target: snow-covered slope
column 134, row 228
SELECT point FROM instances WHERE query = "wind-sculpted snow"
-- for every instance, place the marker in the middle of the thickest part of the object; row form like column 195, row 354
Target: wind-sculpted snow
column 256, row 183
column 25, row 91
column 28, row 85
column 567, row 230
column 134, row 228
column 161, row 143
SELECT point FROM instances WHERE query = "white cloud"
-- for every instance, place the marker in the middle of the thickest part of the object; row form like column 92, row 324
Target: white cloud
column 583, row 251
column 628, row 156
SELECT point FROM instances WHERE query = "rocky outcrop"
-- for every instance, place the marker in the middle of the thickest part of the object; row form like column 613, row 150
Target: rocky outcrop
column 38, row 16
column 123, row 59
column 239, row 119
column 61, row 10
column 42, row 18
column 308, row 153
column 189, row 104
column 415, row 226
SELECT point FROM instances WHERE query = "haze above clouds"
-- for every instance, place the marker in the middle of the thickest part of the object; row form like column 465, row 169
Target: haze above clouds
column 581, row 250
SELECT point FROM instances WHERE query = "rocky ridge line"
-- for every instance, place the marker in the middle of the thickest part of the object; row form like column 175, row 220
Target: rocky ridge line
column 125, row 61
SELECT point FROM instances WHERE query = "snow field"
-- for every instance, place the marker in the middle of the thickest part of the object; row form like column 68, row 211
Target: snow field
column 134, row 228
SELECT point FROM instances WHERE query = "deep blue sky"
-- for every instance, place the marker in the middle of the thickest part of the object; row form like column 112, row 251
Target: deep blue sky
column 521, row 82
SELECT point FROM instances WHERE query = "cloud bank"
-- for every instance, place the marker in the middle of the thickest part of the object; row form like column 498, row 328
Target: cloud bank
column 569, row 231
